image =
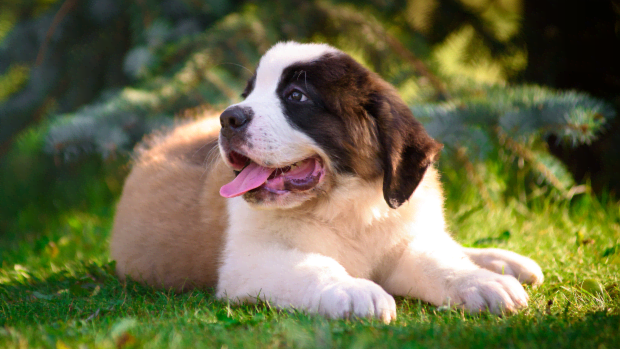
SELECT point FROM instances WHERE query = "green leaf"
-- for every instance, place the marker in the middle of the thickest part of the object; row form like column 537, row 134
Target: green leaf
column 611, row 250
column 42, row 296
column 501, row 238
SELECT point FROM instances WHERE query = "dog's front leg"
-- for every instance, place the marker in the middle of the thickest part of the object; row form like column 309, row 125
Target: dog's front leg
column 255, row 269
column 435, row 269
column 507, row 262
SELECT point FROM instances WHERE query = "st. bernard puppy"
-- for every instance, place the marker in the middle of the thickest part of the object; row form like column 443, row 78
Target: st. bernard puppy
column 323, row 198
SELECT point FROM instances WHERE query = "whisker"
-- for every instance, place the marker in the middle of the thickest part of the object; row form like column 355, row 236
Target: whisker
column 306, row 79
column 199, row 149
column 209, row 160
column 238, row 65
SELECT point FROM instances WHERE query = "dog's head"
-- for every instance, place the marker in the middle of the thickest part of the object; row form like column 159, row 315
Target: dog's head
column 313, row 116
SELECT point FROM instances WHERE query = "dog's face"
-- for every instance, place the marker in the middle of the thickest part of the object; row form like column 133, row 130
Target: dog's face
column 312, row 117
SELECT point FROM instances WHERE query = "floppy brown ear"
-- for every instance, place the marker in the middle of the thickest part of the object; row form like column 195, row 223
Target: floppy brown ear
column 406, row 149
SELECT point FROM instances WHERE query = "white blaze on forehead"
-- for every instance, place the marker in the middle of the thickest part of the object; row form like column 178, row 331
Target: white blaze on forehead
column 282, row 55
column 275, row 143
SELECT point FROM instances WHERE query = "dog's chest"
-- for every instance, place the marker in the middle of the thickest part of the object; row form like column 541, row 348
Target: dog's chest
column 359, row 239
column 360, row 249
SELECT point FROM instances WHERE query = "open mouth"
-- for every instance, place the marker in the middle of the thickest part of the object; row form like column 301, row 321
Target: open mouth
column 299, row 176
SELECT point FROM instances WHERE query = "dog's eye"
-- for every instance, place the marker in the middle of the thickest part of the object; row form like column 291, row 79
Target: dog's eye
column 297, row 96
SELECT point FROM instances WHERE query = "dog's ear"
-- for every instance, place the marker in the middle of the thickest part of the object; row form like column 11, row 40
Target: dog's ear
column 406, row 149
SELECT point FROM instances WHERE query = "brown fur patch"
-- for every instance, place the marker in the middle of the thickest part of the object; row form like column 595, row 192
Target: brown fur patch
column 361, row 122
column 169, row 224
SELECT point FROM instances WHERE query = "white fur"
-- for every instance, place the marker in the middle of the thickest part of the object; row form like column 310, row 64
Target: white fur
column 323, row 261
column 346, row 254
column 507, row 263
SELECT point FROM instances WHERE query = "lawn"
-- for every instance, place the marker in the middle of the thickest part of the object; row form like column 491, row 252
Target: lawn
column 58, row 290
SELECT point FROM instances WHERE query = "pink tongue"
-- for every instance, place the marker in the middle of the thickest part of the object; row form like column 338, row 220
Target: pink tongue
column 252, row 176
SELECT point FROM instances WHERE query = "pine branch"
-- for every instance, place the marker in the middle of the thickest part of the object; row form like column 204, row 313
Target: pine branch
column 117, row 122
column 518, row 120
column 529, row 156
column 521, row 111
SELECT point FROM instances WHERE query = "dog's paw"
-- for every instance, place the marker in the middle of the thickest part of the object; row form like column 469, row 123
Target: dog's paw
column 356, row 297
column 483, row 290
column 507, row 263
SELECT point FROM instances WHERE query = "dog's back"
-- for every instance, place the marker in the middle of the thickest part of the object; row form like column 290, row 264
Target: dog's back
column 170, row 220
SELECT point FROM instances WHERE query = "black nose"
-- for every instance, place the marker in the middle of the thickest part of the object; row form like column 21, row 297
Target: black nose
column 235, row 118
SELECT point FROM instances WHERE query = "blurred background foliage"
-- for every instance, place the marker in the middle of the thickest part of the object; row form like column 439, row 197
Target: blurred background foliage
column 523, row 93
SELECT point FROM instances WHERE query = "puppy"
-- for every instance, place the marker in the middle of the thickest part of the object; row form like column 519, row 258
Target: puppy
column 319, row 195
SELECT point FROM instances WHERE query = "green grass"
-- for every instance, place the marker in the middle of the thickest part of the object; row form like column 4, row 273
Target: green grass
column 57, row 290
